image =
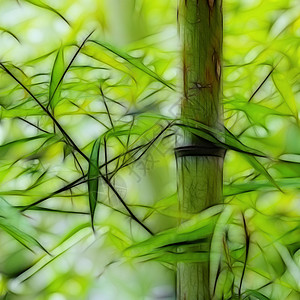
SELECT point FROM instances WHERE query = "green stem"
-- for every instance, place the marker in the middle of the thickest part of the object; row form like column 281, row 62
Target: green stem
column 200, row 171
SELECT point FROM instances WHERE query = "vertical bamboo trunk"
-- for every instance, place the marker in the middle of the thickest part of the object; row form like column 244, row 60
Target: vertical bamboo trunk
column 199, row 163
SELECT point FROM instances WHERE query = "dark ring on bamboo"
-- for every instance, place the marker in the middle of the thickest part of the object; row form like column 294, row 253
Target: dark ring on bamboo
column 197, row 150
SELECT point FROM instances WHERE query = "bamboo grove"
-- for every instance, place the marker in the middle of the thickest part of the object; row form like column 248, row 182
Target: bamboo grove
column 148, row 149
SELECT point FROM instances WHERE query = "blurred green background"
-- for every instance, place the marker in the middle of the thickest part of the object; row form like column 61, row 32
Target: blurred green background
column 124, row 85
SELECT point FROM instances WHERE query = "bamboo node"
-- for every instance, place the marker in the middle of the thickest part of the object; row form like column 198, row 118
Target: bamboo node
column 206, row 149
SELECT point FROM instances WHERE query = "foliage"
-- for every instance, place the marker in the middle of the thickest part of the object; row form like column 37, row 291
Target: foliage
column 89, row 113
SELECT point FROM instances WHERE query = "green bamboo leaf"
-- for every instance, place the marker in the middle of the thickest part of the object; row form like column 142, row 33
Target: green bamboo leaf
column 25, row 140
column 260, row 185
column 173, row 257
column 22, row 237
column 59, row 72
column 10, row 33
column 93, row 178
column 193, row 231
column 257, row 113
column 256, row 294
column 72, row 233
column 20, row 112
column 55, row 82
column 133, row 61
column 285, row 89
column 250, row 157
column 73, row 238
column 51, row 210
column 261, row 169
column 41, row 4
column 224, row 139
column 162, row 243
column 10, row 220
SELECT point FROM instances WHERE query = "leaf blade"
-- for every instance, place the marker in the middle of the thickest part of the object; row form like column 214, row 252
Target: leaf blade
column 93, row 179
column 133, row 61
column 55, row 82
column 41, row 4
column 257, row 295
column 285, row 90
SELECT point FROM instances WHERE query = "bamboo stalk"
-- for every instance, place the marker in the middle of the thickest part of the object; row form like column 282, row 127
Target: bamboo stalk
column 199, row 163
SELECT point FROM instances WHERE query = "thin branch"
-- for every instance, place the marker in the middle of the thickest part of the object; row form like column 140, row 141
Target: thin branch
column 63, row 189
column 106, row 107
column 109, row 115
column 76, row 161
column 69, row 65
column 75, row 182
column 265, row 79
column 105, row 156
column 46, row 209
column 128, row 138
column 247, row 242
column 262, row 83
column 149, row 144
column 37, row 127
column 73, row 143
column 124, row 204
column 107, row 181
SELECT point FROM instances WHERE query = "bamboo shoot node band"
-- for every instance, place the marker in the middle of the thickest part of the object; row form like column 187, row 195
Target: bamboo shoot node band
column 200, row 150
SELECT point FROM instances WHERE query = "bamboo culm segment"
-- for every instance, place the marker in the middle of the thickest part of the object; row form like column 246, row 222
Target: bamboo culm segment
column 200, row 177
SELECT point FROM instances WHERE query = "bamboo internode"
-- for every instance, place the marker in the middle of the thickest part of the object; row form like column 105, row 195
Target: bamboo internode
column 199, row 165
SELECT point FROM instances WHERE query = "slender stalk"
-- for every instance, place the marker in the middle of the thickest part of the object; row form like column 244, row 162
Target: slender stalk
column 199, row 162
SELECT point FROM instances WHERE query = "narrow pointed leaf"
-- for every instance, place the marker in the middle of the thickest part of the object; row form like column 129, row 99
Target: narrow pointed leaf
column 41, row 4
column 73, row 238
column 133, row 61
column 10, row 33
column 93, row 179
column 55, row 82
column 11, row 221
column 260, row 185
column 261, row 169
column 257, row 295
column 193, row 231
column 285, row 89
column 254, row 161
column 222, row 139
column 22, row 237
column 59, row 72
